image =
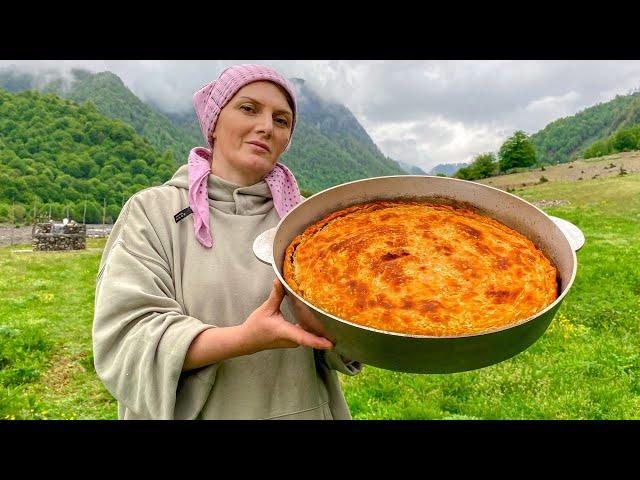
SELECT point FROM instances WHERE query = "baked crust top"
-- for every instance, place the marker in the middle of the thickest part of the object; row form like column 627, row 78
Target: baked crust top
column 419, row 268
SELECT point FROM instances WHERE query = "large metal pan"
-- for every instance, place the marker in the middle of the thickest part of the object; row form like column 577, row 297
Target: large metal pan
column 557, row 238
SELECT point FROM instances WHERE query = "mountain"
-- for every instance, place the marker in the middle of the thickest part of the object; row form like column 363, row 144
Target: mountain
column 567, row 138
column 111, row 98
column 411, row 169
column 329, row 145
column 58, row 154
column 448, row 169
column 15, row 81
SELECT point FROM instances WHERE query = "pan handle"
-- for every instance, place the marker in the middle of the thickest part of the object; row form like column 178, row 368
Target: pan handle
column 573, row 233
column 263, row 246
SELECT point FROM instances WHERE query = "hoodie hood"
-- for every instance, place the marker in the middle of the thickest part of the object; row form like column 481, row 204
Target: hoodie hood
column 229, row 197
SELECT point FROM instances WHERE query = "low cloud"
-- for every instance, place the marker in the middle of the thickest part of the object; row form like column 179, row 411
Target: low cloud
column 420, row 112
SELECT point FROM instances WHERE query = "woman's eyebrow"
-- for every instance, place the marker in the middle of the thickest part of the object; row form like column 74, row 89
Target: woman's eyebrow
column 288, row 112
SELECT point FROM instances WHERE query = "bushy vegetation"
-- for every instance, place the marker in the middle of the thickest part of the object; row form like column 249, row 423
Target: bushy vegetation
column 623, row 140
column 516, row 153
column 59, row 155
column 564, row 139
column 483, row 166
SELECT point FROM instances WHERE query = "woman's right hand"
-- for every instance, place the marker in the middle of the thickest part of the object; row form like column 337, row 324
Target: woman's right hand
column 266, row 328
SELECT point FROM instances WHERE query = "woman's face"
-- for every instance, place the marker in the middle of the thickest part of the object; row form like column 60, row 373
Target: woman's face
column 252, row 131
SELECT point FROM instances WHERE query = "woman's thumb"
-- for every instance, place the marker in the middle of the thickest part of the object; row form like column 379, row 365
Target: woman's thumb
column 276, row 295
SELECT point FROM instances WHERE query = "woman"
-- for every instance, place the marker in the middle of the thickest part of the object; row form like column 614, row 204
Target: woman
column 182, row 329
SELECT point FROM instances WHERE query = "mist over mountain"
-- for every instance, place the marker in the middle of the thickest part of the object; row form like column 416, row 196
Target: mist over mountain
column 448, row 169
column 60, row 156
column 411, row 169
column 329, row 145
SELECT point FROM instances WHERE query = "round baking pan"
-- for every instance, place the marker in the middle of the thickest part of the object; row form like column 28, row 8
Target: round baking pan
column 557, row 238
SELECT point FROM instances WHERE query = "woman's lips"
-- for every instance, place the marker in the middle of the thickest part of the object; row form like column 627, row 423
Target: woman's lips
column 259, row 146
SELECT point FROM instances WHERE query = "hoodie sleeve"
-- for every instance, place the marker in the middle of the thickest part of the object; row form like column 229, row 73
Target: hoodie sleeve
column 140, row 332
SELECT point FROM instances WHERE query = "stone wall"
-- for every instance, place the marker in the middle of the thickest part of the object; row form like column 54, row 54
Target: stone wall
column 49, row 236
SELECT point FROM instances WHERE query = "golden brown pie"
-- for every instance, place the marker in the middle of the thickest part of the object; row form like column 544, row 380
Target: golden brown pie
column 419, row 268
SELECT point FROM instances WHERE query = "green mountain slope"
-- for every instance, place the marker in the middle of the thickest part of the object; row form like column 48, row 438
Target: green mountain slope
column 566, row 139
column 56, row 153
column 113, row 99
column 329, row 147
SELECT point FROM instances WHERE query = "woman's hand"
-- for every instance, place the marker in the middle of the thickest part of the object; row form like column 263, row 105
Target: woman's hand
column 266, row 328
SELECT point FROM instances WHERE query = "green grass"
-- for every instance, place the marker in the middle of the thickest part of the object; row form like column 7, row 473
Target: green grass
column 45, row 333
column 586, row 366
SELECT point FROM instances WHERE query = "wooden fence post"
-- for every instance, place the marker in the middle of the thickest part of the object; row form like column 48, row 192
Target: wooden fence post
column 13, row 217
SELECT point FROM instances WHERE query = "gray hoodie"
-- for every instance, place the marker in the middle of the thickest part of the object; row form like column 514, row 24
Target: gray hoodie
column 158, row 288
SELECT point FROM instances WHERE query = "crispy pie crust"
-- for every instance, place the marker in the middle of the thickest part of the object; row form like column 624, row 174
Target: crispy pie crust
column 419, row 268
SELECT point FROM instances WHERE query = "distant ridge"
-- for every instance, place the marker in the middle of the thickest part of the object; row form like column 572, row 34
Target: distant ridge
column 448, row 169
column 411, row 169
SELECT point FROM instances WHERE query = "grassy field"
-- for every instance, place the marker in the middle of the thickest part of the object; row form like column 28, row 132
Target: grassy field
column 45, row 336
column 586, row 366
column 578, row 170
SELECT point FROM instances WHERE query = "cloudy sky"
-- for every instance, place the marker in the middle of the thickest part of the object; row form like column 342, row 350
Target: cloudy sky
column 420, row 112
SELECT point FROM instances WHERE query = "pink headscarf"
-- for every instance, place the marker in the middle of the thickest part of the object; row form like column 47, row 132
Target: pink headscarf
column 208, row 101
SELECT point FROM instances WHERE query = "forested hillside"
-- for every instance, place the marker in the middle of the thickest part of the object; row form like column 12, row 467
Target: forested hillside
column 329, row 146
column 59, row 154
column 112, row 99
column 567, row 138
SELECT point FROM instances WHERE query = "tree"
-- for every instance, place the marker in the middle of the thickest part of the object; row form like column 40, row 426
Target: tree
column 483, row 166
column 624, row 141
column 517, row 151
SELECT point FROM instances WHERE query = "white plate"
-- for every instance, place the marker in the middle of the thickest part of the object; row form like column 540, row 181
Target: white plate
column 573, row 233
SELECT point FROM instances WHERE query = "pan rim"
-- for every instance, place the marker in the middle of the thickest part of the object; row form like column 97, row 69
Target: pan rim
column 566, row 247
